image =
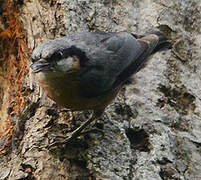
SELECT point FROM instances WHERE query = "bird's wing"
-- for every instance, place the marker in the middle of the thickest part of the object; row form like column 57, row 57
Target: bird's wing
column 113, row 60
column 147, row 45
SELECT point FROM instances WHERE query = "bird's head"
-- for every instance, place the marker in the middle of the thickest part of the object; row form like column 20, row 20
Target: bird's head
column 57, row 64
column 52, row 57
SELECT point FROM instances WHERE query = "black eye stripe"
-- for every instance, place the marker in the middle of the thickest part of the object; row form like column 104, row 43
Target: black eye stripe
column 71, row 51
column 56, row 56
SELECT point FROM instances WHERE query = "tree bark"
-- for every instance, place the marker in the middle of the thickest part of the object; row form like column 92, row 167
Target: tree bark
column 151, row 131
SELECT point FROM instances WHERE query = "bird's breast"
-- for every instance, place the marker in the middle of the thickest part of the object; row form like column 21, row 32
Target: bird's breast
column 66, row 91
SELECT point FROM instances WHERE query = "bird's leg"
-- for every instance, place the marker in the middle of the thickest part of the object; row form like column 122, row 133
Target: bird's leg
column 78, row 131
column 93, row 130
column 96, row 128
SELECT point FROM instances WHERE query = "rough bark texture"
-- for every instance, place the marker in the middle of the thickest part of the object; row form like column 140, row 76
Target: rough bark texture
column 151, row 131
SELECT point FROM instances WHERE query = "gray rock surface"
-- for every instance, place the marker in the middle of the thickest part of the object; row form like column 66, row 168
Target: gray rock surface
column 152, row 130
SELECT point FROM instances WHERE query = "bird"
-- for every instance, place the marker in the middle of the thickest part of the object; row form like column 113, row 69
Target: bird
column 86, row 70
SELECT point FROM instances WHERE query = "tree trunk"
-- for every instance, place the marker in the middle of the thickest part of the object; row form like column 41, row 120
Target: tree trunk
column 151, row 131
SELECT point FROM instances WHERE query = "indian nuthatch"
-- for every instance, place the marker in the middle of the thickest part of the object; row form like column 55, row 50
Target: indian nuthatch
column 85, row 71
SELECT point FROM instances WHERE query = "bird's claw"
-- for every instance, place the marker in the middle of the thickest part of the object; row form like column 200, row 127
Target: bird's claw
column 94, row 130
column 65, row 142
column 70, row 138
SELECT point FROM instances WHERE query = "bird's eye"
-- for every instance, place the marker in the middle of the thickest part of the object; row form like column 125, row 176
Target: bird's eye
column 56, row 56
column 60, row 54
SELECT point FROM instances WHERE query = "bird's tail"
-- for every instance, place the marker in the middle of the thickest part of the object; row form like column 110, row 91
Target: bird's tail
column 151, row 43
column 163, row 43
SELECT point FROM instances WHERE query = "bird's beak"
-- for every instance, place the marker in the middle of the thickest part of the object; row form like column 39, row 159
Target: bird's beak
column 41, row 65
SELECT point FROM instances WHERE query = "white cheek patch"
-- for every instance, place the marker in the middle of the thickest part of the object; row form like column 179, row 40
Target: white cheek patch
column 65, row 64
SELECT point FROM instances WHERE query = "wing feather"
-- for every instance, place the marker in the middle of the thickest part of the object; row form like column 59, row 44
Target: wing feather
column 113, row 60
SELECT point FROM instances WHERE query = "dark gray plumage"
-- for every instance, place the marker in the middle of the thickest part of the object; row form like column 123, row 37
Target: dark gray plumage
column 110, row 58
column 85, row 70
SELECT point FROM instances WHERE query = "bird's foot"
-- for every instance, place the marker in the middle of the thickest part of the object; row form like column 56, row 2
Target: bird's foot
column 73, row 135
column 65, row 141
column 93, row 130
column 69, row 139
